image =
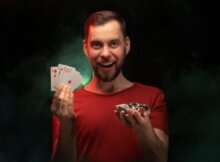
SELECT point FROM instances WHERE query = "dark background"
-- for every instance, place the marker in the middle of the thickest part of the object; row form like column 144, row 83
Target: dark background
column 173, row 47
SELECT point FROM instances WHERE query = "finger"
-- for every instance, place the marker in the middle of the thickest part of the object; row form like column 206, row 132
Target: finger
column 62, row 92
column 70, row 104
column 139, row 119
column 55, row 98
column 135, row 117
column 66, row 98
column 117, row 113
column 61, row 100
column 147, row 112
column 124, row 118
column 59, row 89
column 131, row 118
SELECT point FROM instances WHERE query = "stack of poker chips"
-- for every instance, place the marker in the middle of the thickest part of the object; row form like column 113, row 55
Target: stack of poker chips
column 133, row 105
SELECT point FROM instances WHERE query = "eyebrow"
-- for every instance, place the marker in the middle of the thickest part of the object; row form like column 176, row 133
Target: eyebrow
column 95, row 40
column 112, row 40
column 115, row 40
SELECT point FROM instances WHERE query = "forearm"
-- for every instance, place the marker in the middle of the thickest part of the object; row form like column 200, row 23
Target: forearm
column 154, row 150
column 66, row 146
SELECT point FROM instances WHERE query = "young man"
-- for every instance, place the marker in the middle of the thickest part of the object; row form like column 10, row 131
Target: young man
column 86, row 124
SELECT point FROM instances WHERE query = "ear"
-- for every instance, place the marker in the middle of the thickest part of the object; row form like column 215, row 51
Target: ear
column 128, row 44
column 85, row 47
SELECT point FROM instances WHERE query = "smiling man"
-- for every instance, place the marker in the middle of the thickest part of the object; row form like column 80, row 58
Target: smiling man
column 87, row 126
column 106, row 48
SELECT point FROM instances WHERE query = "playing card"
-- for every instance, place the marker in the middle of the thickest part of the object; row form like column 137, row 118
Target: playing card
column 66, row 75
column 54, row 77
column 63, row 72
column 72, row 79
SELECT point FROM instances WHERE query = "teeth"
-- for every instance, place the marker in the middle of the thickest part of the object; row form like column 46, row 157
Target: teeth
column 108, row 64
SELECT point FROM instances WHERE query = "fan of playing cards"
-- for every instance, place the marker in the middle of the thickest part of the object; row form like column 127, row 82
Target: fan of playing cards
column 66, row 75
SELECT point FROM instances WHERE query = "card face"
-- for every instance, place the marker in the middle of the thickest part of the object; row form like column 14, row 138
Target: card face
column 72, row 79
column 54, row 77
column 66, row 75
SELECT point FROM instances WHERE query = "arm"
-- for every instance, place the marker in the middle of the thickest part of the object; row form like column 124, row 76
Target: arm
column 153, row 142
column 64, row 147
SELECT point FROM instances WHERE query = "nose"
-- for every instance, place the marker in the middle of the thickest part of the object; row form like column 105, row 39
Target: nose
column 105, row 53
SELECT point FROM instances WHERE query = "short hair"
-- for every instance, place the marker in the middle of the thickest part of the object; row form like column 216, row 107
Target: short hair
column 102, row 17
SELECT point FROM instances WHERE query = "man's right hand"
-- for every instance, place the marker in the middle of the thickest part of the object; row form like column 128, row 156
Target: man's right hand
column 64, row 139
column 62, row 103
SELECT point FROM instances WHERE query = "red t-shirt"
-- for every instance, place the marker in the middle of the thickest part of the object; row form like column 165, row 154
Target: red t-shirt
column 101, row 137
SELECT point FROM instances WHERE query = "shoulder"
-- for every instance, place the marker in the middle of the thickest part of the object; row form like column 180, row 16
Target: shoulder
column 148, row 88
column 79, row 91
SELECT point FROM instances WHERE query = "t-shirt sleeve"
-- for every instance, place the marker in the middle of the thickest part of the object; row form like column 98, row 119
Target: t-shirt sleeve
column 55, row 127
column 158, row 114
column 55, row 134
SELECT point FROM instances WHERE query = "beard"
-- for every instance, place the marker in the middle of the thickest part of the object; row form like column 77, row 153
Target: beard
column 108, row 76
column 112, row 74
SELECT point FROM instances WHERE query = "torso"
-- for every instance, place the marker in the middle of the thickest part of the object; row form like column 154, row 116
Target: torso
column 100, row 134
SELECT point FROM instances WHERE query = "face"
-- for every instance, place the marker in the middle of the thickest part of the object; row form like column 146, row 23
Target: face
column 106, row 48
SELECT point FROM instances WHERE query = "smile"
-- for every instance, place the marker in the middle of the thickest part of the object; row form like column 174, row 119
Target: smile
column 106, row 65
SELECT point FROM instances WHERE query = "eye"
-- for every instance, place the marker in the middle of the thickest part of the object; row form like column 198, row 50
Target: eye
column 114, row 43
column 96, row 45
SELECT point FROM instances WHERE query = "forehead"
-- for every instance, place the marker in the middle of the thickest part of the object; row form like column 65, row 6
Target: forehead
column 107, row 31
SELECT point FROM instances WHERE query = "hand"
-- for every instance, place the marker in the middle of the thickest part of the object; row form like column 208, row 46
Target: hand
column 133, row 118
column 62, row 103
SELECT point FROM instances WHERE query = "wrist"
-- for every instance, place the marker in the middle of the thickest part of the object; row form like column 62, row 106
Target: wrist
column 67, row 124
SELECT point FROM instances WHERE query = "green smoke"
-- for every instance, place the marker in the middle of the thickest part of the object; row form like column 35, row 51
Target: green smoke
column 72, row 54
column 27, row 98
column 193, row 104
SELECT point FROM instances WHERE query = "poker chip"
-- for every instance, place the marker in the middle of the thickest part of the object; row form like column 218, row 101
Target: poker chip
column 133, row 105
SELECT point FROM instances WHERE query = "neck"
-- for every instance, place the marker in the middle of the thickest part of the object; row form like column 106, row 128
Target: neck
column 100, row 87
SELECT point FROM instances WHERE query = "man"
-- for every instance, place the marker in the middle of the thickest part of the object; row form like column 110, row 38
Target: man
column 86, row 124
